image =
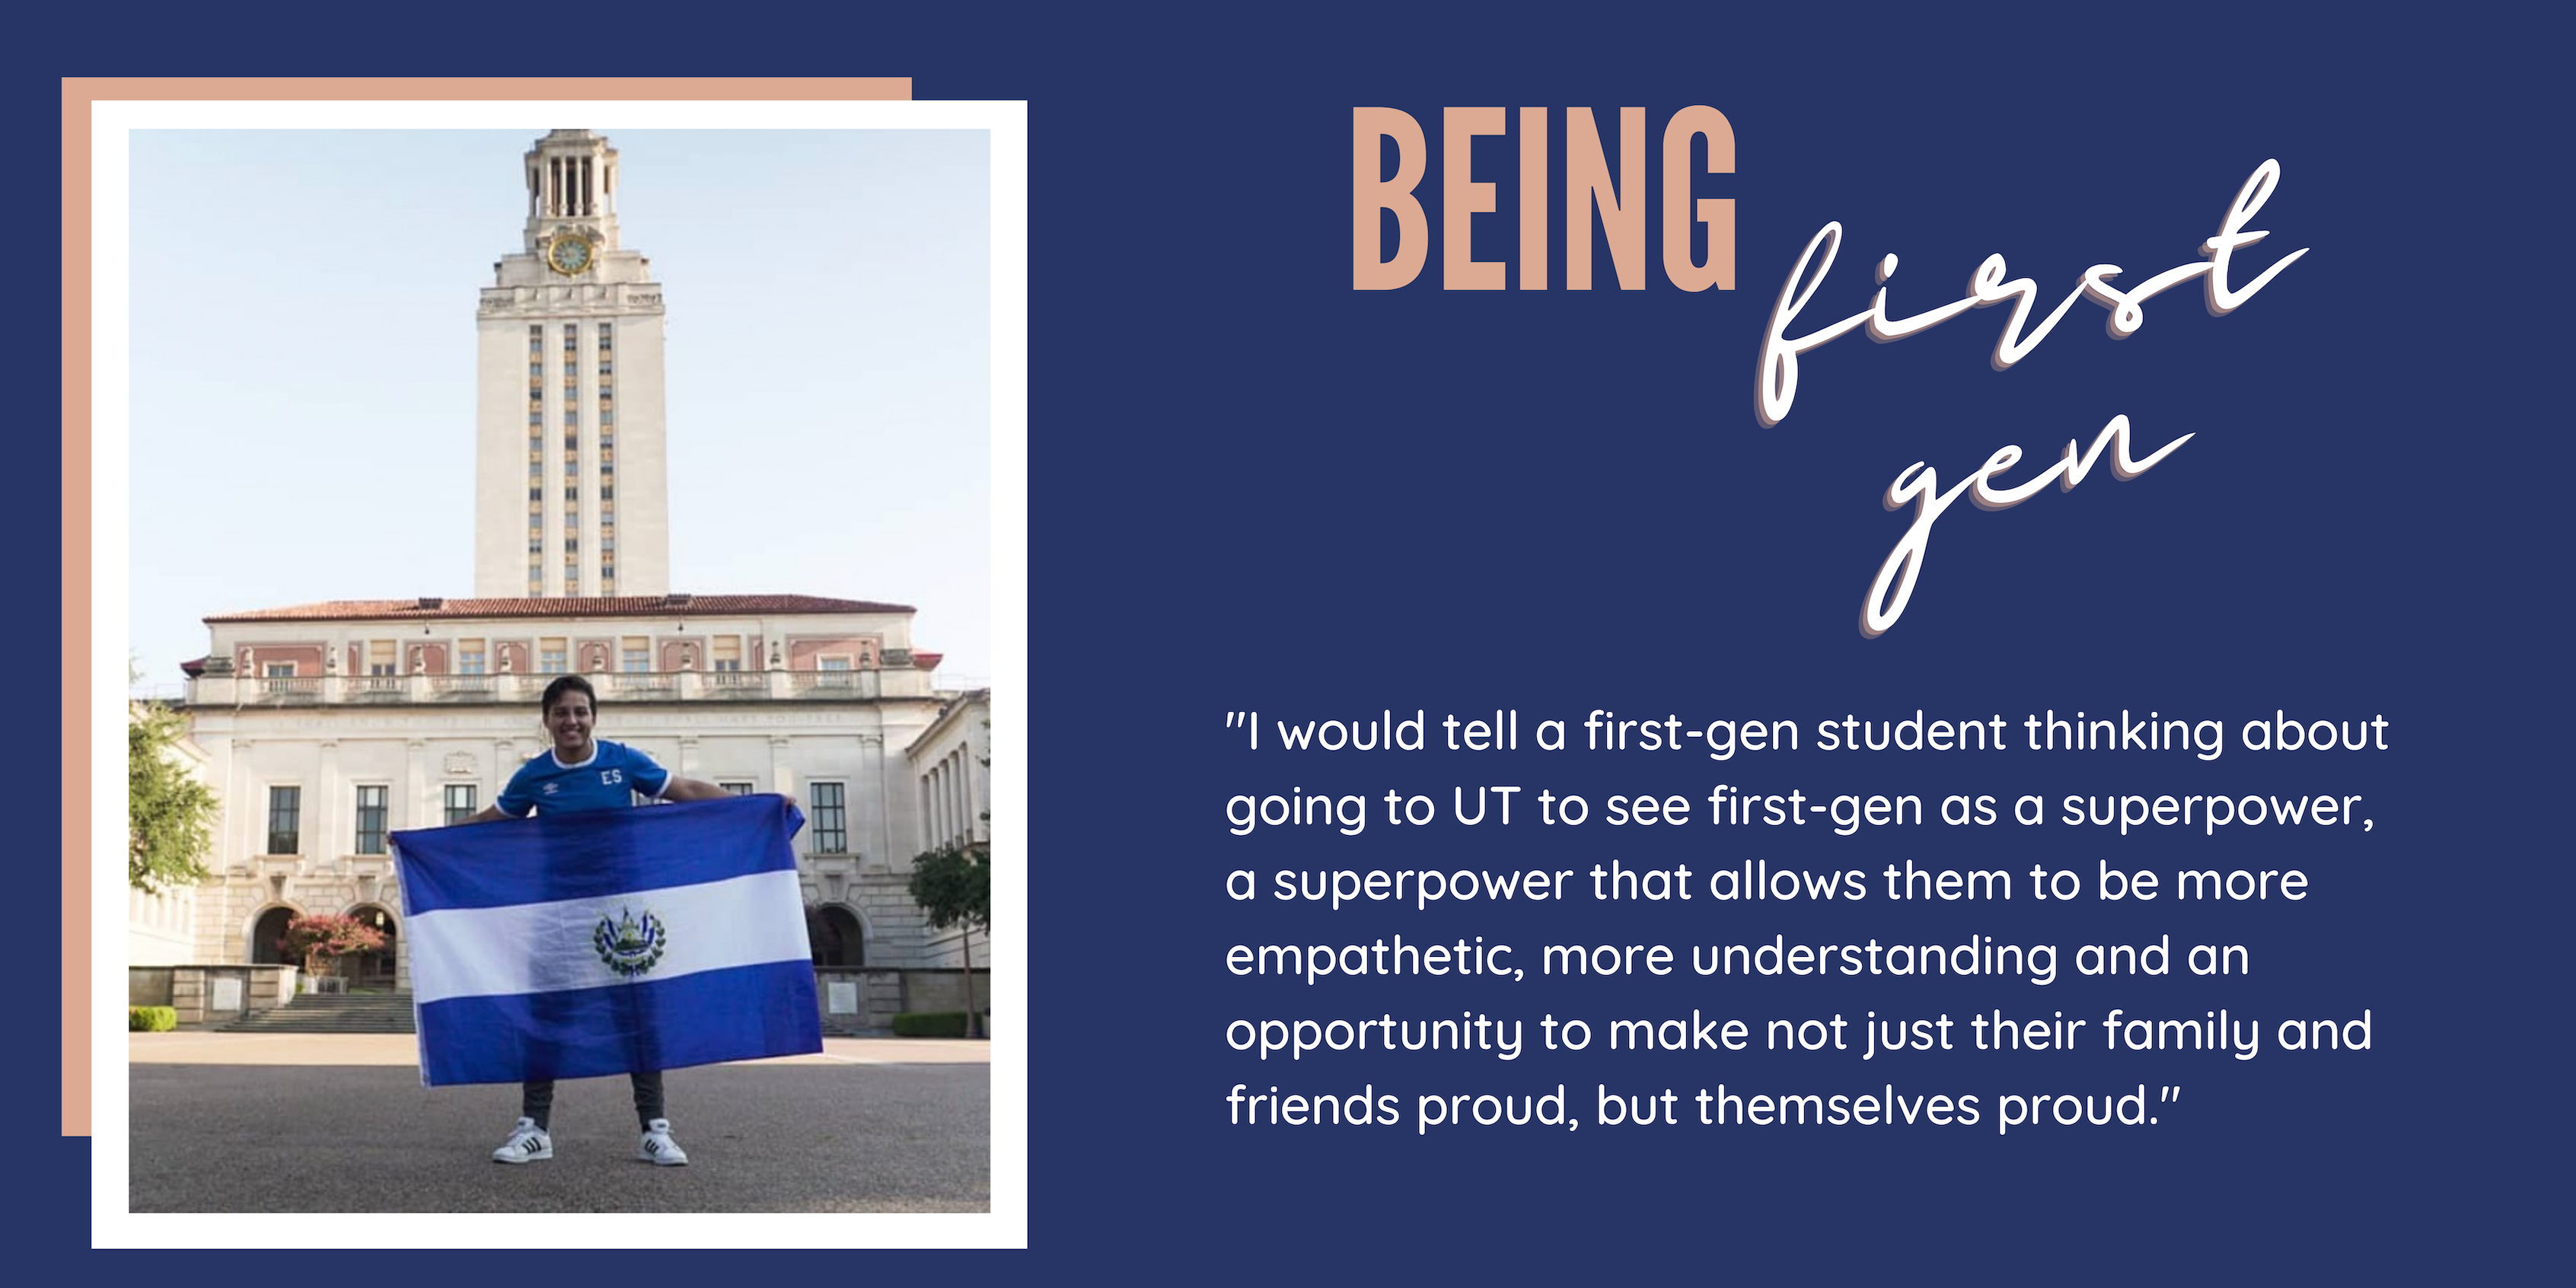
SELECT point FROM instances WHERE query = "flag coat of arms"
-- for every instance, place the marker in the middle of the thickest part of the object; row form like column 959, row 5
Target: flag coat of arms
column 612, row 941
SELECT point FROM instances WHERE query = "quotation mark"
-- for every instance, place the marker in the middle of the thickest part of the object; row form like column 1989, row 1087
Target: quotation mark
column 2166, row 1096
column 1246, row 720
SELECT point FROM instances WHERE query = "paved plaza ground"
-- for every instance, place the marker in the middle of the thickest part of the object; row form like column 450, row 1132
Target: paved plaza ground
column 236, row 1122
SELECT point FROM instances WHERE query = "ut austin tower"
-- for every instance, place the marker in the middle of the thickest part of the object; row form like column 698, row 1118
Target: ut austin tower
column 570, row 485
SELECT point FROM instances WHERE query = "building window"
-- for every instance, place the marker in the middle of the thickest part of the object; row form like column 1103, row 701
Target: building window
column 727, row 655
column 469, row 657
column 607, row 336
column 572, row 494
column 550, row 657
column 634, row 655
column 831, row 821
column 380, row 657
column 280, row 670
column 835, row 672
column 738, row 789
column 460, row 802
column 285, row 808
column 536, row 497
column 371, row 819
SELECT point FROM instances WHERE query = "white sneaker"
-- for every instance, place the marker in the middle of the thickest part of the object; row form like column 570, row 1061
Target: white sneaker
column 658, row 1148
column 527, row 1144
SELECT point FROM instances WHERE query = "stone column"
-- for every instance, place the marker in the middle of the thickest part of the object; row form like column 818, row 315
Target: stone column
column 240, row 840
column 505, row 762
column 417, row 784
column 325, row 838
column 872, row 809
column 782, row 779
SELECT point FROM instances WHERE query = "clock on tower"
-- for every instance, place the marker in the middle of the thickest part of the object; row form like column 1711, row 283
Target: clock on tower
column 569, row 254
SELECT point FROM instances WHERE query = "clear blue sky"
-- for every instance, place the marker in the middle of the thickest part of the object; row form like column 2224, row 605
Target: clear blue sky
column 302, row 343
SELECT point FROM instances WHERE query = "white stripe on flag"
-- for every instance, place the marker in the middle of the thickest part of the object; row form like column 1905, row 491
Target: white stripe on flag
column 546, row 947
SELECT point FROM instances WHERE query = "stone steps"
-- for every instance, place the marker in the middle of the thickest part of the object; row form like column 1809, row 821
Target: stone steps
column 332, row 1013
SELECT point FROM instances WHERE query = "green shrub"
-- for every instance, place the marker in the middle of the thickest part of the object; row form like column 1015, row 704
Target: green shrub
column 935, row 1024
column 151, row 1019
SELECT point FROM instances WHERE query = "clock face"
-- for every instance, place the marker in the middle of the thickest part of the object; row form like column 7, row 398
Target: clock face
column 568, row 255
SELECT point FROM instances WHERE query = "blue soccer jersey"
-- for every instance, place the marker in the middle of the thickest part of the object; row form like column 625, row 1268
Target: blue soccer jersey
column 605, row 781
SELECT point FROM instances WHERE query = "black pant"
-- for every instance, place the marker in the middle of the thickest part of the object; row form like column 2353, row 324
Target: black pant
column 537, row 1099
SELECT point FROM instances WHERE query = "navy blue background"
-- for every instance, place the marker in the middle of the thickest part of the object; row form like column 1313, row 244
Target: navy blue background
column 1255, row 488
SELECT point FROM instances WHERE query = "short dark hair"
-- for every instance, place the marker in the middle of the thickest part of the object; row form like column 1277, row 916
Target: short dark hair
column 562, row 685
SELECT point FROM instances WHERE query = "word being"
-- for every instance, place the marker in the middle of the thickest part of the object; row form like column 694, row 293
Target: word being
column 1894, row 585
column 1776, row 385
column 1620, row 203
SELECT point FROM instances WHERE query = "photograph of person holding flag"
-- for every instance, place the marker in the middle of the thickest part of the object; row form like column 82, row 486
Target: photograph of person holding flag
column 537, row 947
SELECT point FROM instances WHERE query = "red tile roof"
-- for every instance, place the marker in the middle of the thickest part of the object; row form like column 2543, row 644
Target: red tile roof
column 433, row 609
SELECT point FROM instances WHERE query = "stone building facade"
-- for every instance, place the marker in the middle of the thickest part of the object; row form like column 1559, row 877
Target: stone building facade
column 952, row 774
column 326, row 727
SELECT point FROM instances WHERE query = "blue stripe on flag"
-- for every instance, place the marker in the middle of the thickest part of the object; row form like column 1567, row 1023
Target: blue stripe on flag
column 742, row 1013
column 593, row 855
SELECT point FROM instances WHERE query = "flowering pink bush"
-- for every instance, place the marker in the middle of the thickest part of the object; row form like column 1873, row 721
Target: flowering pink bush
column 327, row 937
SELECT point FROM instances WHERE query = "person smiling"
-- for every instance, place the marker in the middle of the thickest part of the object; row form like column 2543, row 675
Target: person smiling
column 581, row 773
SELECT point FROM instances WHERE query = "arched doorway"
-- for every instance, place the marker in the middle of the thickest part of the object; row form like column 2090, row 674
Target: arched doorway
column 372, row 970
column 836, row 935
column 265, row 934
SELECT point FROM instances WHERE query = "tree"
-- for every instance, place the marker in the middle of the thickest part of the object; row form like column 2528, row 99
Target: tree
column 169, row 815
column 327, row 937
column 954, row 885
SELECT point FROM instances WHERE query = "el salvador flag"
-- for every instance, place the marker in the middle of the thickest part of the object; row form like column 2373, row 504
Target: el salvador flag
column 613, row 941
